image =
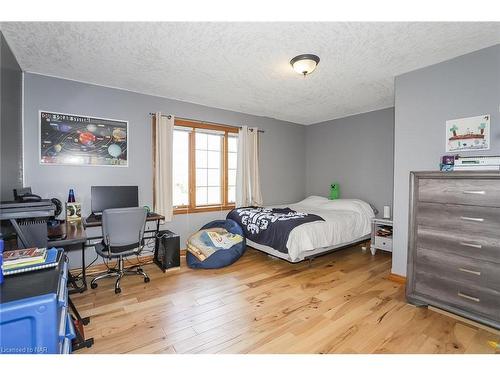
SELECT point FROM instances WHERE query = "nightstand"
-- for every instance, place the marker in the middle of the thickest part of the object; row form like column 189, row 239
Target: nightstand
column 381, row 235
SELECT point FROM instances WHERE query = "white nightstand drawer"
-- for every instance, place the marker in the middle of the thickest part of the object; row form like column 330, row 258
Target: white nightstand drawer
column 383, row 243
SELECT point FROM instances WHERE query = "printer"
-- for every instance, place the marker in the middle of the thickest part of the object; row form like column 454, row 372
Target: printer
column 477, row 163
column 29, row 219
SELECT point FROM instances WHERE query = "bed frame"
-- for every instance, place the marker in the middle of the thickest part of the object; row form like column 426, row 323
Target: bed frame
column 309, row 255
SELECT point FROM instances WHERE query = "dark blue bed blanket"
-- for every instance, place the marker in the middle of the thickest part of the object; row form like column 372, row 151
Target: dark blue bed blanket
column 270, row 226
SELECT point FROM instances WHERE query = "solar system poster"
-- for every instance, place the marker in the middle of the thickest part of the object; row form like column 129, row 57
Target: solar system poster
column 67, row 139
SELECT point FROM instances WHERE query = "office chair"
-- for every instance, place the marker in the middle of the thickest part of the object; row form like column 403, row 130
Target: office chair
column 122, row 232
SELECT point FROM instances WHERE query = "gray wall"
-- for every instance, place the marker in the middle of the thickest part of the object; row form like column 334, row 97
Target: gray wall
column 11, row 164
column 466, row 86
column 282, row 146
column 356, row 152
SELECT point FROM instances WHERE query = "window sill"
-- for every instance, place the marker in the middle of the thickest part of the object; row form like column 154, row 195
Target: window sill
column 195, row 210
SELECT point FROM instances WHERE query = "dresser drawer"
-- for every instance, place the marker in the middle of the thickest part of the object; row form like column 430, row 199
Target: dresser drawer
column 456, row 242
column 455, row 267
column 480, row 192
column 480, row 221
column 458, row 294
column 383, row 243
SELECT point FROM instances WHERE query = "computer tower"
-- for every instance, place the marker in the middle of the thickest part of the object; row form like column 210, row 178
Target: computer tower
column 167, row 250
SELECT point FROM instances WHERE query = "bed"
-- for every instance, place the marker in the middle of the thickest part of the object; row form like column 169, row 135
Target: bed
column 306, row 229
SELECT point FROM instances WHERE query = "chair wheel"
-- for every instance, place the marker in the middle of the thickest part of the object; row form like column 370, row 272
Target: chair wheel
column 118, row 290
column 147, row 280
column 93, row 285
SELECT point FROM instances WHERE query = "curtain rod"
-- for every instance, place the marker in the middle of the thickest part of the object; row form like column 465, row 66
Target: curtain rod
column 202, row 122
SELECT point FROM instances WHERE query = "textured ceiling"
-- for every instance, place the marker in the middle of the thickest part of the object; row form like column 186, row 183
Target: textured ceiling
column 244, row 66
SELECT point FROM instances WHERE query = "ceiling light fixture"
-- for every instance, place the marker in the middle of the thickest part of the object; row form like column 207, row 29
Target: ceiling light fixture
column 304, row 64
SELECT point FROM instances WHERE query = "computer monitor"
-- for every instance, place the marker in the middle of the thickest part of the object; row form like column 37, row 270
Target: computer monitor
column 104, row 197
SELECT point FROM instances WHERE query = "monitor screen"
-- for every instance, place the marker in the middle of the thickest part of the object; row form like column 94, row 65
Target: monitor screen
column 103, row 197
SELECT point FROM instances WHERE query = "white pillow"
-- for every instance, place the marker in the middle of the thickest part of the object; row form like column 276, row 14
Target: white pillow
column 313, row 201
column 356, row 205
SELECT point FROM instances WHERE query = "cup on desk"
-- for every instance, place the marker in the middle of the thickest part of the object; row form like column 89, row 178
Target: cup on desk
column 73, row 211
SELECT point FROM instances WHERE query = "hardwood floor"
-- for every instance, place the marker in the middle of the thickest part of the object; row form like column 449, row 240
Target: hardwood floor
column 344, row 303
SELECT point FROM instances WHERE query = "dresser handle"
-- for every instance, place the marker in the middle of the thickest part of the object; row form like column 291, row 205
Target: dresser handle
column 475, row 299
column 478, row 192
column 474, row 245
column 470, row 271
column 478, row 219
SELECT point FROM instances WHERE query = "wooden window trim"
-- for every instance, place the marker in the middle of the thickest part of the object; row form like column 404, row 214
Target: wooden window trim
column 203, row 125
column 192, row 208
column 189, row 210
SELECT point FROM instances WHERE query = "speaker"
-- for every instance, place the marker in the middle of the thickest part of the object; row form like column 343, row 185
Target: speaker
column 167, row 250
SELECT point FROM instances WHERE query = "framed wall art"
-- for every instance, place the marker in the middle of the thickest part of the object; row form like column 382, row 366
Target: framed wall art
column 67, row 139
column 468, row 134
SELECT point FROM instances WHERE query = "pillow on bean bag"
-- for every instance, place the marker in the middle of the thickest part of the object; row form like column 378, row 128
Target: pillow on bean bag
column 220, row 258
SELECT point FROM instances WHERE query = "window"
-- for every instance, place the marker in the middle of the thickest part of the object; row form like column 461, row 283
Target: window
column 204, row 167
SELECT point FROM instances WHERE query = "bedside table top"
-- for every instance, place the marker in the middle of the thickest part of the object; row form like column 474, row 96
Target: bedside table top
column 377, row 220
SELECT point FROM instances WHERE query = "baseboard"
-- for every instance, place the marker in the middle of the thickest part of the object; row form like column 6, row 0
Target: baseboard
column 397, row 278
column 98, row 268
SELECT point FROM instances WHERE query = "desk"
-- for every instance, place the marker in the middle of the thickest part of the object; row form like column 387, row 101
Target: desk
column 75, row 235
column 94, row 222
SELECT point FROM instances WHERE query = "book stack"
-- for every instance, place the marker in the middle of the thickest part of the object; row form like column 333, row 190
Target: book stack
column 384, row 231
column 25, row 260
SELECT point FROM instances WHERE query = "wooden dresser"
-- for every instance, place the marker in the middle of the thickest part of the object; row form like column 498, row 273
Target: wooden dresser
column 454, row 243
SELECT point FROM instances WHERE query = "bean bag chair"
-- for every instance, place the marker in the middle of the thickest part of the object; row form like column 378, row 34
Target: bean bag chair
column 220, row 258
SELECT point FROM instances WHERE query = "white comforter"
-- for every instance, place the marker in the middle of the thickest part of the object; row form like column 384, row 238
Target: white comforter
column 346, row 220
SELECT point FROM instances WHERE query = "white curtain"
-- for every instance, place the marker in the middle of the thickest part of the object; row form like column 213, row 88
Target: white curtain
column 247, row 175
column 164, row 128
